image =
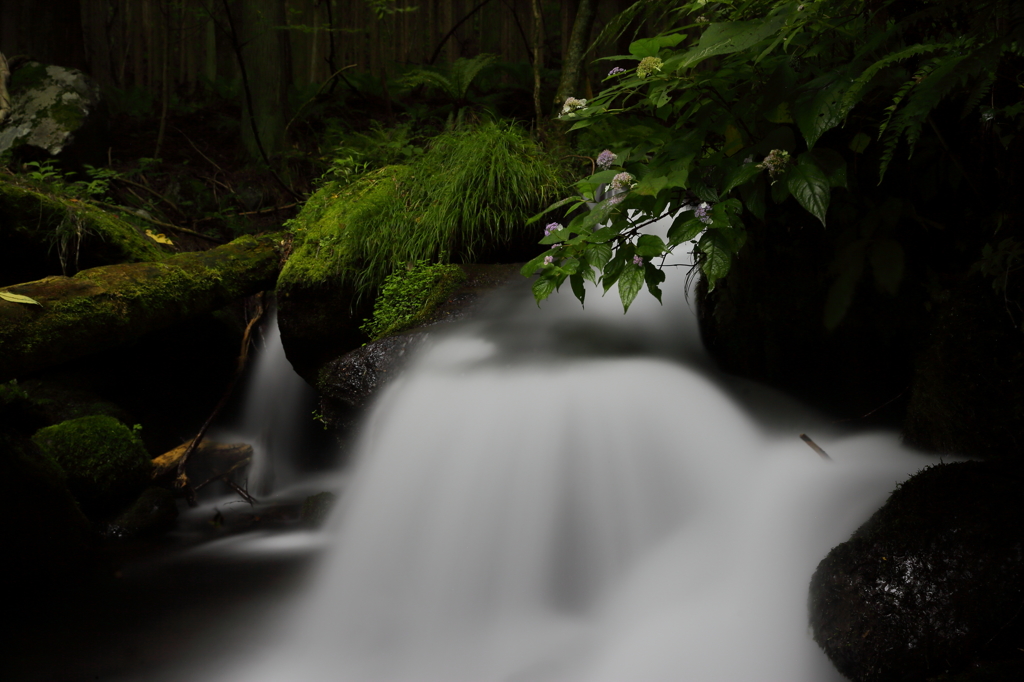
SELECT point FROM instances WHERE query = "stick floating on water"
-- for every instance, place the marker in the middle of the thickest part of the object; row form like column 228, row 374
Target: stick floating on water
column 814, row 446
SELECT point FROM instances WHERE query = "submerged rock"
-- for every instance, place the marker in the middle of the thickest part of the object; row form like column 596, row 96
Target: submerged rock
column 932, row 583
column 55, row 111
column 152, row 513
column 105, row 462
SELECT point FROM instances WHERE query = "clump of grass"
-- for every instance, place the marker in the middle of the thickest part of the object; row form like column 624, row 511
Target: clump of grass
column 470, row 192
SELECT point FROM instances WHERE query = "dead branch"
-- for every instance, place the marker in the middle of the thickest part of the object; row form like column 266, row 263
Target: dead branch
column 5, row 97
column 814, row 446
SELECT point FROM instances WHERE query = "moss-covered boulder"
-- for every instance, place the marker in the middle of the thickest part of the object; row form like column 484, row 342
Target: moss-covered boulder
column 55, row 111
column 104, row 461
column 932, row 583
column 48, row 234
column 110, row 306
column 465, row 200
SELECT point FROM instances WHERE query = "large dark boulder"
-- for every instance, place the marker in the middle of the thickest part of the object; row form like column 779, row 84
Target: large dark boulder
column 933, row 583
column 968, row 388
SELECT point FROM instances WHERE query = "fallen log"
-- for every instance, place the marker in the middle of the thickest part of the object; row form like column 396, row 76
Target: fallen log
column 211, row 459
column 113, row 305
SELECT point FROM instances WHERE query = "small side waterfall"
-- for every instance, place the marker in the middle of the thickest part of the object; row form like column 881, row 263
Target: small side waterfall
column 276, row 402
column 569, row 495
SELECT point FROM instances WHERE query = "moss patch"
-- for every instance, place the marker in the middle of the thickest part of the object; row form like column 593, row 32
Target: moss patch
column 409, row 296
column 104, row 461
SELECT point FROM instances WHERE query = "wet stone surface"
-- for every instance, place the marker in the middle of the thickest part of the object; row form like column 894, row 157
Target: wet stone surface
column 933, row 583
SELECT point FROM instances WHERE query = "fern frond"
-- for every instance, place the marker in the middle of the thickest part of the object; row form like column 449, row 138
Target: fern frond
column 463, row 71
column 856, row 89
column 431, row 79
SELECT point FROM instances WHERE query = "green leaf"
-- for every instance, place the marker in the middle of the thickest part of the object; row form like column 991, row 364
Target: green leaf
column 810, row 186
column 651, row 184
column 556, row 237
column 780, row 190
column 530, row 268
column 650, row 246
column 817, row 115
column 684, row 228
column 650, row 47
column 615, row 266
column 832, row 164
column 887, row 262
column 753, row 196
column 552, row 207
column 717, row 257
column 739, row 176
column 630, row 282
column 18, row 298
column 849, row 265
column 859, row 143
column 578, row 288
column 598, row 255
column 734, row 36
column 543, row 288
column 653, row 277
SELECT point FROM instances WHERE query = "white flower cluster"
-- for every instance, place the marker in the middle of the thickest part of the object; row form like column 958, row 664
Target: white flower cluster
column 571, row 105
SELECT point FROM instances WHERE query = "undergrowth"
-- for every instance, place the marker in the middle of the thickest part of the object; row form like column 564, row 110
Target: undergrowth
column 471, row 191
column 409, row 295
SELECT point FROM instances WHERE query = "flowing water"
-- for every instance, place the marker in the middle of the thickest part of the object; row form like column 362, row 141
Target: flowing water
column 574, row 495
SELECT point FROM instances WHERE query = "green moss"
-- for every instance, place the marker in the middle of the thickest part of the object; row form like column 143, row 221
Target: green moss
column 28, row 76
column 409, row 296
column 471, row 192
column 103, row 459
column 66, row 115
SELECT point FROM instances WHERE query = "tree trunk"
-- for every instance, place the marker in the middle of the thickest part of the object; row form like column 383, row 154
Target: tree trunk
column 576, row 52
column 265, row 49
column 113, row 305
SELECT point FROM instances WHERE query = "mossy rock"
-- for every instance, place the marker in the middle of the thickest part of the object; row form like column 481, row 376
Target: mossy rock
column 316, row 508
column 467, row 199
column 32, row 223
column 105, row 462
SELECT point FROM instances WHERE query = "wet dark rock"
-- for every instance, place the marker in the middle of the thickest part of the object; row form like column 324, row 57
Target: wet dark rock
column 316, row 508
column 152, row 513
column 933, row 583
column 55, row 112
column 347, row 383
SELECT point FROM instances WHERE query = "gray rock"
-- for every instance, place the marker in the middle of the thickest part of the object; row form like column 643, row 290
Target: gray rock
column 55, row 111
column 152, row 513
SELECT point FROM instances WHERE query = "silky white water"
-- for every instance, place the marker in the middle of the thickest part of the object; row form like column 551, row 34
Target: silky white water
column 574, row 495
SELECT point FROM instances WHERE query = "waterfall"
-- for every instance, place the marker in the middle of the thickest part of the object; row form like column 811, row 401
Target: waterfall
column 571, row 494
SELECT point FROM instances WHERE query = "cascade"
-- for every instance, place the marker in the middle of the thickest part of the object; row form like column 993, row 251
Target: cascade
column 571, row 494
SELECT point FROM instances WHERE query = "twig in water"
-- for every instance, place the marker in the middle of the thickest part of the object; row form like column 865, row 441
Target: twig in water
column 182, row 482
column 814, row 446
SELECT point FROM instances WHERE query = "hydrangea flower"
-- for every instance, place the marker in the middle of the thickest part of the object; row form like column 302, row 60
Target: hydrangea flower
column 775, row 163
column 702, row 212
column 637, row 260
column 623, row 181
column 648, row 65
column 548, row 260
column 606, row 159
column 551, row 228
column 617, row 70
column 571, row 105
